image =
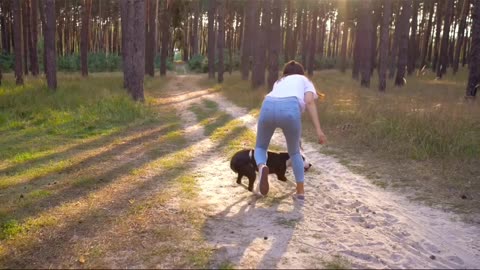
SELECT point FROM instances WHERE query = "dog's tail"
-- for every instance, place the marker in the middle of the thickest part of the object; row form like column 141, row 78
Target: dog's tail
column 232, row 167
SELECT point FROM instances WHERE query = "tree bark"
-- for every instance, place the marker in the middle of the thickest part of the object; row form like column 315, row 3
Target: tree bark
column 394, row 45
column 304, row 33
column 412, row 47
column 259, row 59
column 49, row 40
column 195, row 28
column 438, row 27
column 125, row 50
column 250, row 25
column 26, row 33
column 165, row 38
column 221, row 39
column 356, row 52
column 134, row 49
column 296, row 33
column 403, row 43
column 211, row 38
column 287, row 52
column 365, row 49
column 17, row 32
column 384, row 44
column 312, row 40
column 343, row 53
column 151, row 32
column 275, row 43
column 461, row 34
column 474, row 57
column 427, row 34
column 84, row 41
column 34, row 37
column 442, row 67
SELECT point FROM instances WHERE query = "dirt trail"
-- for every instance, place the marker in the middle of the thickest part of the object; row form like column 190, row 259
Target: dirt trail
column 344, row 214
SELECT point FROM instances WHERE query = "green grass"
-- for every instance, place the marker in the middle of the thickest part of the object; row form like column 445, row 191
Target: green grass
column 337, row 262
column 425, row 123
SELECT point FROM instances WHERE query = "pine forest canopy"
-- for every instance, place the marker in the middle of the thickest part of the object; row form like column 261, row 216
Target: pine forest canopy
column 394, row 37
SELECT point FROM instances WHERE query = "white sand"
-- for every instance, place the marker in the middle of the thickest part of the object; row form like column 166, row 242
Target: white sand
column 344, row 214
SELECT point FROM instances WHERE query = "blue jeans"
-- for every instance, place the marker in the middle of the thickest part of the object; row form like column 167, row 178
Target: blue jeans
column 281, row 113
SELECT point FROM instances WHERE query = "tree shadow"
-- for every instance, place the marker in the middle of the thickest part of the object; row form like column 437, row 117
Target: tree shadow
column 250, row 230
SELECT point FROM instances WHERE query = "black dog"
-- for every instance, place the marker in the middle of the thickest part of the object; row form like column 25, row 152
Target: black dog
column 243, row 163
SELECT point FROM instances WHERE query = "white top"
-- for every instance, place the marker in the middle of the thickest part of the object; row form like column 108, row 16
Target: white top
column 293, row 86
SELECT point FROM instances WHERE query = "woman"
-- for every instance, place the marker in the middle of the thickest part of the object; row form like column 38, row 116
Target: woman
column 282, row 108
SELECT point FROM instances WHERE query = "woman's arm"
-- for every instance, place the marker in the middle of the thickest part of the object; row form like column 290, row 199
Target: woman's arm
column 312, row 111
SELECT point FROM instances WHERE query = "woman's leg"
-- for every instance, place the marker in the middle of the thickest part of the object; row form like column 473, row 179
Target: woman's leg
column 291, row 124
column 265, row 129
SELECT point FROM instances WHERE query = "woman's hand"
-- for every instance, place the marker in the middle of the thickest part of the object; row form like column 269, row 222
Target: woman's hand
column 322, row 139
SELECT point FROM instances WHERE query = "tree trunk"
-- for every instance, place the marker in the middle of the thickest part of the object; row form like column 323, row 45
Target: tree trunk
column 384, row 38
column 84, row 41
column 134, row 68
column 313, row 38
column 26, row 33
column 34, row 37
column 259, row 59
column 249, row 31
column 394, row 46
column 343, row 53
column 211, row 38
column 304, row 34
column 221, row 39
column 165, row 38
column 412, row 47
column 17, row 36
column 365, row 49
column 461, row 34
column 151, row 32
column 403, row 43
column 287, row 52
column 356, row 52
column 474, row 57
column 49, row 40
column 427, row 35
column 296, row 32
column 275, row 43
column 125, row 50
column 442, row 67
column 195, row 28
column 438, row 27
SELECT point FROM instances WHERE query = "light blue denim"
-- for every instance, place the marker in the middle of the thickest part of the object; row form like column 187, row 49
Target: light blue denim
column 283, row 113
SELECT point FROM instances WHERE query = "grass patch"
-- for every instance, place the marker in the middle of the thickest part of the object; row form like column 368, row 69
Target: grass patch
column 10, row 228
column 226, row 265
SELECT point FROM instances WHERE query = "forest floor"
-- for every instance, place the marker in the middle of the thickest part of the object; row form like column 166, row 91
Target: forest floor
column 163, row 196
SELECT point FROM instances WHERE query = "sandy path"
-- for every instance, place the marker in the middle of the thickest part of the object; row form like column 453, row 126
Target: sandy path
column 343, row 215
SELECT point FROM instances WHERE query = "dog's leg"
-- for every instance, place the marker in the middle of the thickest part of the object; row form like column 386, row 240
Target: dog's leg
column 251, row 179
column 239, row 178
column 281, row 174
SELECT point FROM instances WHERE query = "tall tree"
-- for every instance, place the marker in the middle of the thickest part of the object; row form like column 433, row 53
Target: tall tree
column 166, row 18
column 312, row 40
column 196, row 5
column 442, row 67
column 211, row 38
column 25, row 32
column 403, row 42
column 17, row 36
column 461, row 34
column 134, row 69
column 304, row 39
column 150, row 32
column 343, row 53
column 260, row 57
column 384, row 38
column 250, row 16
column 426, row 39
column 275, row 43
column 49, row 41
column 85, row 39
column 474, row 57
column 438, row 28
column 221, row 39
column 34, row 68
column 412, row 47
column 365, row 25
column 287, row 52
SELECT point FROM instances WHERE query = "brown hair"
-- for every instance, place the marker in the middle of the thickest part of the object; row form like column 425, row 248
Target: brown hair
column 293, row 67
